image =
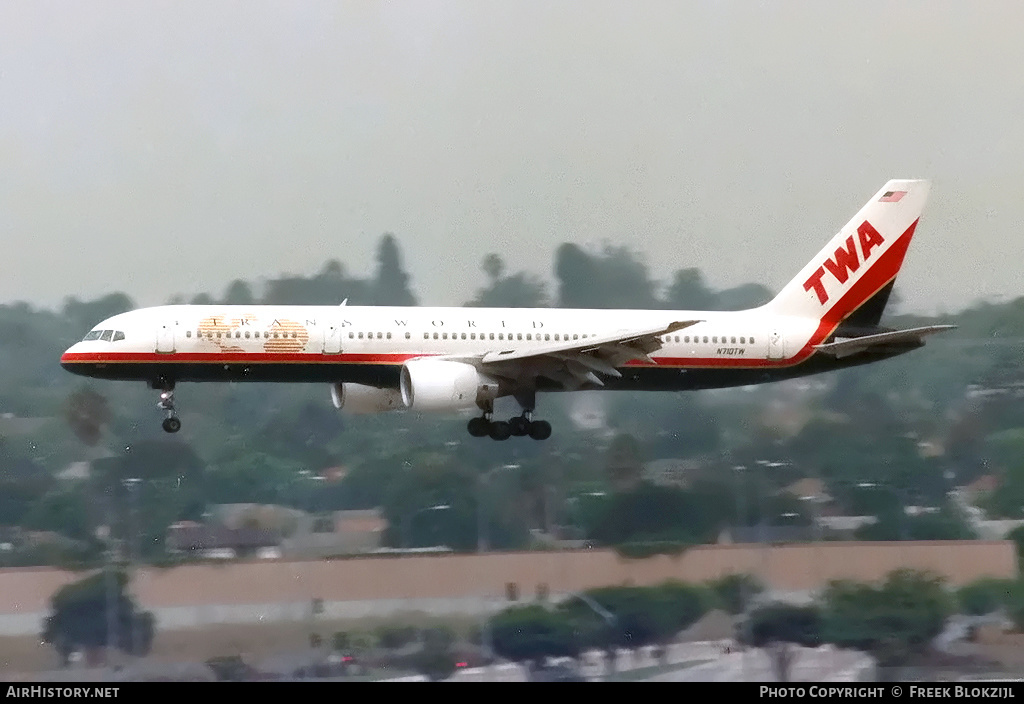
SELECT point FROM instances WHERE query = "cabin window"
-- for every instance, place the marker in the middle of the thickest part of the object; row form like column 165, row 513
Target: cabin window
column 218, row 335
column 188, row 333
column 351, row 335
column 360, row 336
column 705, row 339
column 246, row 334
column 380, row 336
column 751, row 340
column 556, row 337
column 389, row 336
column 435, row 336
column 547, row 337
column 529, row 336
column 575, row 337
column 492, row 336
column 501, row 336
column 732, row 340
column 743, row 340
column 463, row 336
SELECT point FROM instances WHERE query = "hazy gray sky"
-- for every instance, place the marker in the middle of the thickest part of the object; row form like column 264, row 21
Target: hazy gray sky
column 160, row 148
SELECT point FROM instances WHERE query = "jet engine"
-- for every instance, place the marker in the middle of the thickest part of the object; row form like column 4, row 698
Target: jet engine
column 442, row 385
column 356, row 398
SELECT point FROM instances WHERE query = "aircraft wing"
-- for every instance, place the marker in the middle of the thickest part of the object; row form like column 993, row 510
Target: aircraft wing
column 844, row 347
column 576, row 362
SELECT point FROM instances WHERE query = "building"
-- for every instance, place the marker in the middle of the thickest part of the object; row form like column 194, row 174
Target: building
column 221, row 542
column 338, row 533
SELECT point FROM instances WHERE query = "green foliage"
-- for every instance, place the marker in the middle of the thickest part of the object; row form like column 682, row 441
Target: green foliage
column 778, row 622
column 87, row 413
column 394, row 637
column 661, row 513
column 1017, row 536
column 640, row 615
column 891, row 621
column 524, row 633
column 984, row 596
column 435, row 664
column 341, row 641
column 1014, row 604
column 79, row 617
column 734, row 592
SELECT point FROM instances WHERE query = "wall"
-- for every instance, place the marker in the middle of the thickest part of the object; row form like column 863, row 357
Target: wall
column 379, row 586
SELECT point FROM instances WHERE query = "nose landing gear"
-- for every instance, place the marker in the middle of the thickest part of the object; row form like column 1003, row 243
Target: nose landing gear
column 171, row 422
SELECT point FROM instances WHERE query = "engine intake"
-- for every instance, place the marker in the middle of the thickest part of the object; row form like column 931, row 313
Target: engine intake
column 441, row 385
column 356, row 398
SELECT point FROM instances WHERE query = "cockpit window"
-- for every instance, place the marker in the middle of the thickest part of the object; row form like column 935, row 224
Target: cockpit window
column 92, row 335
column 107, row 335
column 118, row 335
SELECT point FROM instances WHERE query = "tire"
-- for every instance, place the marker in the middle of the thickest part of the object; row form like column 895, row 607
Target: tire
column 478, row 427
column 540, row 430
column 501, row 430
column 172, row 425
column 520, row 426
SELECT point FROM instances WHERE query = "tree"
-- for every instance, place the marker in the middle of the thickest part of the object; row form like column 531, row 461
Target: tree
column 239, row 293
column 734, row 592
column 624, row 464
column 86, row 314
column 494, row 267
column 984, row 596
column 87, row 412
column 529, row 633
column 520, row 290
column 80, row 612
column 777, row 627
column 391, row 287
column 893, row 621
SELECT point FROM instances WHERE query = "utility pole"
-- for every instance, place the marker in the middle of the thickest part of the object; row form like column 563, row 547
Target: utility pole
column 132, row 484
column 111, row 580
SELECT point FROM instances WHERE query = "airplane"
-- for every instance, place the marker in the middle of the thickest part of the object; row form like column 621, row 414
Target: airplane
column 452, row 359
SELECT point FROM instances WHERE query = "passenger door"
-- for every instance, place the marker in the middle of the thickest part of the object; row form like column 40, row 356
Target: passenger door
column 165, row 338
column 776, row 345
column 332, row 339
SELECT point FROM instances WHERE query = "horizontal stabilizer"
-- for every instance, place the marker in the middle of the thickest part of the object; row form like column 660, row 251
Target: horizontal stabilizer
column 844, row 347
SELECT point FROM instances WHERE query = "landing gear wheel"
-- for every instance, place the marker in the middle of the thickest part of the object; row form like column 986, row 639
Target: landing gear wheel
column 520, row 426
column 501, row 430
column 172, row 425
column 540, row 430
column 478, row 427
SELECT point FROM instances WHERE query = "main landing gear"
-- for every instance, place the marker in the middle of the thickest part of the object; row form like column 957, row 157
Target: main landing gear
column 519, row 426
column 171, row 422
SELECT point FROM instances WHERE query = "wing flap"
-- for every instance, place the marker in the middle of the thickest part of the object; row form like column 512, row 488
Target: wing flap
column 848, row 346
column 639, row 341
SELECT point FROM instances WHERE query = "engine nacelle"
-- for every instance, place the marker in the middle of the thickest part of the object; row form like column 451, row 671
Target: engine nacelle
column 356, row 398
column 442, row 385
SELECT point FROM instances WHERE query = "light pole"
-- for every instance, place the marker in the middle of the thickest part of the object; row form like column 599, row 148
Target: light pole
column 481, row 548
column 132, row 484
column 409, row 517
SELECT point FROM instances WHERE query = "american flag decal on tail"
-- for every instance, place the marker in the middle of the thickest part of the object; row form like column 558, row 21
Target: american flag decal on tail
column 891, row 196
